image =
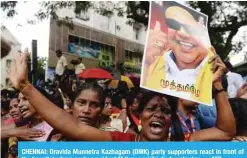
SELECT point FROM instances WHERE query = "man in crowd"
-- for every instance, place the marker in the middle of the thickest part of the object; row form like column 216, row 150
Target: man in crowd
column 79, row 68
column 61, row 66
column 235, row 81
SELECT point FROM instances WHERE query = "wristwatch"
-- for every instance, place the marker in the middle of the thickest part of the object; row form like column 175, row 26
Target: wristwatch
column 216, row 91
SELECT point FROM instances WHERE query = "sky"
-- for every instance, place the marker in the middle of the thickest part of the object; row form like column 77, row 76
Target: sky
column 26, row 33
column 40, row 31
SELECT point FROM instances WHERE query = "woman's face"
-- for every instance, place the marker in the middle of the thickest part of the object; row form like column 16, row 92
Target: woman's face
column 14, row 110
column 107, row 111
column 86, row 108
column 155, row 119
column 134, row 106
column 27, row 110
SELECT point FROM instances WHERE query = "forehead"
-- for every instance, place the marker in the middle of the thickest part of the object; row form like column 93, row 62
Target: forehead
column 88, row 94
column 14, row 101
column 161, row 100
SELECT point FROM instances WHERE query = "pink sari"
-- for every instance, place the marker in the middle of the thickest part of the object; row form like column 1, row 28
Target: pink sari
column 45, row 127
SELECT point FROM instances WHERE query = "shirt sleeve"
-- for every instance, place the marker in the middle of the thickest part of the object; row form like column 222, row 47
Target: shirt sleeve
column 64, row 61
column 238, row 81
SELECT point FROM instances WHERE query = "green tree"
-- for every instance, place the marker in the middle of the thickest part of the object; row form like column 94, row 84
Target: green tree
column 136, row 12
column 41, row 66
column 225, row 18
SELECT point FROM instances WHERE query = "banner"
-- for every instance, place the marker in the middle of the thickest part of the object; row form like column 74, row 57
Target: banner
column 134, row 149
column 176, row 55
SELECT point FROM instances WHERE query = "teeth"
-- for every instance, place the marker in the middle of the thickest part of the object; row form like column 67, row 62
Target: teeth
column 186, row 44
column 157, row 123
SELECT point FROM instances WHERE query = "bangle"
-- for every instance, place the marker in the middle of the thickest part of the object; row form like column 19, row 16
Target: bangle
column 25, row 87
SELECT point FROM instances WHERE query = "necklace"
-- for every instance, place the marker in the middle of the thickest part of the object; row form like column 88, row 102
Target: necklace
column 137, row 138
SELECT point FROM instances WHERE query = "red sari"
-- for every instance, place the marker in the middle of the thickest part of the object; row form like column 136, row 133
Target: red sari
column 119, row 136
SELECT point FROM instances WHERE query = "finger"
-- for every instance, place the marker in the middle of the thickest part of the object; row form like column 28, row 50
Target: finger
column 244, row 139
column 212, row 49
column 213, row 58
column 157, row 26
column 25, row 56
column 240, row 139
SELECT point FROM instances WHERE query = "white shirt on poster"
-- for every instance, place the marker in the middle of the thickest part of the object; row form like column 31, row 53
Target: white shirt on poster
column 60, row 67
column 79, row 68
column 183, row 77
column 235, row 81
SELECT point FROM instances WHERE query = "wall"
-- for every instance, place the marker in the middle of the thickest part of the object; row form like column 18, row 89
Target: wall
column 107, row 25
column 15, row 47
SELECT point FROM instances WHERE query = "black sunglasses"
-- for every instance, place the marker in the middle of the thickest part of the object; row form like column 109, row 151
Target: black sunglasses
column 175, row 25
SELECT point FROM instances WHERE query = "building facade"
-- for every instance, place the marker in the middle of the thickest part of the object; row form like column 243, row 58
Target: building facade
column 7, row 60
column 101, row 41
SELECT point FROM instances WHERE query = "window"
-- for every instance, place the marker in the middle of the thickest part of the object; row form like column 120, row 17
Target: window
column 73, row 39
column 8, row 63
column 128, row 55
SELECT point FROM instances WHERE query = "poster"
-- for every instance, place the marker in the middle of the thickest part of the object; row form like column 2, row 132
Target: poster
column 86, row 48
column 175, row 60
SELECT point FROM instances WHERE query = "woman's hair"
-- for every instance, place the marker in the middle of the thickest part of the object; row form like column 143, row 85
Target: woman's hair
column 130, row 97
column 239, row 109
column 147, row 96
column 58, row 101
column 94, row 87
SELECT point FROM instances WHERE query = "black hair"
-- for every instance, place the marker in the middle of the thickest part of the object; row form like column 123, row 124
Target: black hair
column 92, row 86
column 148, row 95
column 239, row 109
column 58, row 101
column 59, row 51
column 130, row 97
column 228, row 65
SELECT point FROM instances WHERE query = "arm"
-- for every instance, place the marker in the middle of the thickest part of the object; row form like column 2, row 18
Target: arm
column 56, row 117
column 22, row 132
column 225, row 127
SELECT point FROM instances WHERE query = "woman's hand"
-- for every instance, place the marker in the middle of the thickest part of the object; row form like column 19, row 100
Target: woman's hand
column 25, row 133
column 218, row 68
column 242, row 92
column 240, row 138
column 19, row 70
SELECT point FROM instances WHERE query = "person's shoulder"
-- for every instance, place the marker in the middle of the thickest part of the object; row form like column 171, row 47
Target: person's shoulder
column 119, row 136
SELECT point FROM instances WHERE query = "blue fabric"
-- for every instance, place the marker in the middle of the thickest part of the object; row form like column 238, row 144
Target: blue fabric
column 208, row 110
column 202, row 120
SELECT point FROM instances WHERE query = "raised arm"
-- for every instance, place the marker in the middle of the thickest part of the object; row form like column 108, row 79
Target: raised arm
column 225, row 127
column 55, row 116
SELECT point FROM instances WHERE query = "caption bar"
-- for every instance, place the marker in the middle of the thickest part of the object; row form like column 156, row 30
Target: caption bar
column 125, row 150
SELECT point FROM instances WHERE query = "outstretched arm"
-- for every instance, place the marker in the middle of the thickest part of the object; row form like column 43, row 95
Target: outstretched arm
column 56, row 117
column 225, row 127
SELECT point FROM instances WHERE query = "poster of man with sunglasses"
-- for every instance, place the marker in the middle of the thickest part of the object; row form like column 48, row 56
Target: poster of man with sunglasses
column 177, row 51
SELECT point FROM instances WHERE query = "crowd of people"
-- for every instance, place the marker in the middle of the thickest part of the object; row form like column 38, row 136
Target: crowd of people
column 88, row 111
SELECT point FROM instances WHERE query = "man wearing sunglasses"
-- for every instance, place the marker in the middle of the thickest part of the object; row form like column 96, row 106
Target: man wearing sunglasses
column 186, row 60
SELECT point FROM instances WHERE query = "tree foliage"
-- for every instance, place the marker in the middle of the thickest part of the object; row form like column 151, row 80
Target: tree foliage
column 136, row 12
column 225, row 18
column 41, row 66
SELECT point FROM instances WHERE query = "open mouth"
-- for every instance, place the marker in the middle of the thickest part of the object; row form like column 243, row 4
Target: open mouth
column 156, row 127
column 186, row 46
column 15, row 116
column 24, row 111
column 84, row 119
